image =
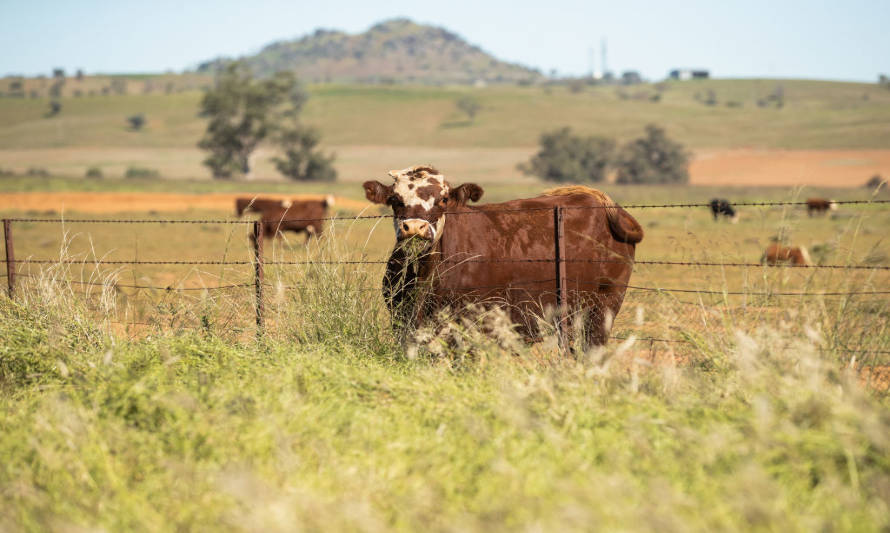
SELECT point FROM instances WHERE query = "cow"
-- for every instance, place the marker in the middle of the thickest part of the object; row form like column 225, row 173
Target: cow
column 776, row 254
column 449, row 254
column 278, row 216
column 721, row 206
column 820, row 206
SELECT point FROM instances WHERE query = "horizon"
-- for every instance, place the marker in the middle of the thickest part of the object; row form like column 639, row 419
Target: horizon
column 709, row 37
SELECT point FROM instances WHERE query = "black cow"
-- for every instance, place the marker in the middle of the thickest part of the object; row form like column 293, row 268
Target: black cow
column 721, row 206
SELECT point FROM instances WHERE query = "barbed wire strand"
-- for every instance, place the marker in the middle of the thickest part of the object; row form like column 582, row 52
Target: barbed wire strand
column 457, row 261
column 471, row 211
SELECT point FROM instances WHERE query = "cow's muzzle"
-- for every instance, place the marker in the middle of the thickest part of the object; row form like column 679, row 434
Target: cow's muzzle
column 415, row 227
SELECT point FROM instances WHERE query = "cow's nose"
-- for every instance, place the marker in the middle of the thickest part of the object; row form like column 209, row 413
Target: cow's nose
column 414, row 227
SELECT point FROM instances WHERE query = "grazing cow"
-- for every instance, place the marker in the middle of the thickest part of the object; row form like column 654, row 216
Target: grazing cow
column 776, row 253
column 257, row 204
column 721, row 206
column 820, row 206
column 278, row 216
column 479, row 254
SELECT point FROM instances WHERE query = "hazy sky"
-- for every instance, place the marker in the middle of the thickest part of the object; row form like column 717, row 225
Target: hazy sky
column 845, row 40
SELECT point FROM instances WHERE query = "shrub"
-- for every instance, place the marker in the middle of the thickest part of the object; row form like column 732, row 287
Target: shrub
column 55, row 107
column 136, row 121
column 94, row 172
column 875, row 181
column 142, row 173
column 468, row 106
column 653, row 159
column 37, row 172
column 566, row 157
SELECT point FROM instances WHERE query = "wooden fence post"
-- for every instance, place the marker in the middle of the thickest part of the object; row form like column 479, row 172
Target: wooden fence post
column 10, row 257
column 258, row 279
column 560, row 256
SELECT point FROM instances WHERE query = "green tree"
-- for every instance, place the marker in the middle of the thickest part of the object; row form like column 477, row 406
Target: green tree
column 242, row 112
column 468, row 106
column 301, row 162
column 136, row 121
column 566, row 157
column 652, row 159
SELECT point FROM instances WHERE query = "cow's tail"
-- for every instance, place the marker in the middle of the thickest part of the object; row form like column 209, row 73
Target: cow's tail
column 623, row 226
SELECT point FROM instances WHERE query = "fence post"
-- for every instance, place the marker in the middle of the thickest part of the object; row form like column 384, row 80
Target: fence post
column 258, row 279
column 560, row 256
column 10, row 257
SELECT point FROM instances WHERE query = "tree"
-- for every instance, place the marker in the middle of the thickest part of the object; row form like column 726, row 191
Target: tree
column 242, row 112
column 469, row 106
column 55, row 107
column 136, row 121
column 301, row 162
column 652, row 159
column 876, row 181
column 565, row 157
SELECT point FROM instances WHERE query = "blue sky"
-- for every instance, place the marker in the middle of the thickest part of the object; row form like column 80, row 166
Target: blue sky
column 847, row 40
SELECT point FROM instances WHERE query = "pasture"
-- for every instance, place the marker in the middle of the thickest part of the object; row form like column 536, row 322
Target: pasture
column 158, row 409
column 828, row 133
column 139, row 397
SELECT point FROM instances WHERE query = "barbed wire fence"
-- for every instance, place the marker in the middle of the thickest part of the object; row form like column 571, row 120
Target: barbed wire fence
column 559, row 261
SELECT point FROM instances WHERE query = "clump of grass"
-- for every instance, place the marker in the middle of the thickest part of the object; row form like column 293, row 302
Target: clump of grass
column 141, row 173
column 94, row 173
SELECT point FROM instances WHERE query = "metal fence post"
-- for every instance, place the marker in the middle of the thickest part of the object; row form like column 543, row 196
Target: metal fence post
column 560, row 256
column 257, row 239
column 10, row 257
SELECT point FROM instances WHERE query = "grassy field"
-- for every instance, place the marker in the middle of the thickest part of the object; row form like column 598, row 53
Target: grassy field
column 139, row 397
column 182, row 421
column 374, row 128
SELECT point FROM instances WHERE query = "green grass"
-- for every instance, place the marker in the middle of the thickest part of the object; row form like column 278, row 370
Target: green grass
column 330, row 424
column 816, row 115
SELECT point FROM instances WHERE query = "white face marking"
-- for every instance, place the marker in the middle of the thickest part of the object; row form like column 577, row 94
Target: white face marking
column 403, row 180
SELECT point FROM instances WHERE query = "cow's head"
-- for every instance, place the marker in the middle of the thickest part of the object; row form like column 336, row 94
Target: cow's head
column 419, row 198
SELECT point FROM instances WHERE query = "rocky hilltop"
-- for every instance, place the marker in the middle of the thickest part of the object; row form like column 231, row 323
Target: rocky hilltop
column 394, row 51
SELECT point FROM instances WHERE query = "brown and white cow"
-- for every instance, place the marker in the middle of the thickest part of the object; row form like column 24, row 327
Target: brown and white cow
column 479, row 254
column 278, row 216
column 820, row 206
column 776, row 254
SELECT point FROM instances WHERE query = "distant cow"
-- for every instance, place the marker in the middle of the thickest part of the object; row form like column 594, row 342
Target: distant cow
column 795, row 255
column 257, row 204
column 721, row 206
column 820, row 206
column 479, row 254
column 278, row 216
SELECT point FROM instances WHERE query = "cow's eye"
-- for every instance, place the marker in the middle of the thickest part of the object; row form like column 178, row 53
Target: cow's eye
column 395, row 201
column 444, row 200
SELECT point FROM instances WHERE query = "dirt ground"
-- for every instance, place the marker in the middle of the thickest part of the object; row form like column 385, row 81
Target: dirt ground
column 116, row 202
column 819, row 168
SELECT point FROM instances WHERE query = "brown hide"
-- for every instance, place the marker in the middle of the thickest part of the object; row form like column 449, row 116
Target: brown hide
column 818, row 206
column 256, row 204
column 776, row 254
column 301, row 216
column 527, row 289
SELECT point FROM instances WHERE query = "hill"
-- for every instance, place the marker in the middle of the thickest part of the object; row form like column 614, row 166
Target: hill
column 397, row 50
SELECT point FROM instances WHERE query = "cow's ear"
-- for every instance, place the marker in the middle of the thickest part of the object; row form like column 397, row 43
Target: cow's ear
column 377, row 192
column 465, row 193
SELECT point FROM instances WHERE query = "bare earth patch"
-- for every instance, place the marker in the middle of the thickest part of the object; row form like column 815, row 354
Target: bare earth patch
column 116, row 202
column 822, row 168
